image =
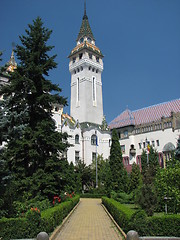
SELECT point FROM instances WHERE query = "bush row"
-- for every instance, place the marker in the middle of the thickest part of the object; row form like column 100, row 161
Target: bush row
column 92, row 195
column 120, row 212
column 18, row 228
column 129, row 219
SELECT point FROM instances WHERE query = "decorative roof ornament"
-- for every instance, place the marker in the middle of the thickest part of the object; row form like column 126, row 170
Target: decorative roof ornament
column 85, row 30
column 11, row 65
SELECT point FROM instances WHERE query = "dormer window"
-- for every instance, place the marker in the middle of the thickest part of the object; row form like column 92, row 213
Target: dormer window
column 81, row 40
column 89, row 40
column 80, row 56
column 97, row 59
column 90, row 55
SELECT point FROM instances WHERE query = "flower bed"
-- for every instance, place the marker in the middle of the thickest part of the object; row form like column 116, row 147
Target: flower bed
column 36, row 221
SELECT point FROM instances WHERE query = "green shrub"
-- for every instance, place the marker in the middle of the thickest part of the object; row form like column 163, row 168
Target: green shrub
column 122, row 197
column 91, row 195
column 128, row 219
column 120, row 212
column 29, row 227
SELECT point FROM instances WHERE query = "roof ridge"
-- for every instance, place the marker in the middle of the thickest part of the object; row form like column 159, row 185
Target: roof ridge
column 155, row 105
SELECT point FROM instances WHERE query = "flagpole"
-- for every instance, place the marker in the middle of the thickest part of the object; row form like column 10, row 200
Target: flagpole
column 96, row 162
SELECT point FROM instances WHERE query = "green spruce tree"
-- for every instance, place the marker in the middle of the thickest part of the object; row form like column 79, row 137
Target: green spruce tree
column 33, row 144
column 119, row 178
column 135, row 178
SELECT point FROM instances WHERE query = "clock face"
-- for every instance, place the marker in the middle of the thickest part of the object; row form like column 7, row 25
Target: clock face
column 81, row 40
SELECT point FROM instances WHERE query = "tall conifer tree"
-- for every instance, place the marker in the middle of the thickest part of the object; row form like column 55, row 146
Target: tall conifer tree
column 33, row 145
column 118, row 172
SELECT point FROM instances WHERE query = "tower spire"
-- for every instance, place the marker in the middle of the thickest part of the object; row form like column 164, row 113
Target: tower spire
column 85, row 8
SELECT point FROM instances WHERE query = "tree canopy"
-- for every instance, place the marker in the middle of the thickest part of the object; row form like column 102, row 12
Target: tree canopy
column 33, row 145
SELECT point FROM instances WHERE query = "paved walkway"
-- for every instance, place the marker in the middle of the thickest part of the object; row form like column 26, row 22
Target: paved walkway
column 89, row 222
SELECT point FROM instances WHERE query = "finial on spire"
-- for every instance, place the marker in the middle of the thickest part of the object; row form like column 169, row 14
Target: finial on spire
column 84, row 7
column 85, row 16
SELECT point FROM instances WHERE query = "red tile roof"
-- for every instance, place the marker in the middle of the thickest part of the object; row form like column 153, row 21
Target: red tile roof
column 146, row 115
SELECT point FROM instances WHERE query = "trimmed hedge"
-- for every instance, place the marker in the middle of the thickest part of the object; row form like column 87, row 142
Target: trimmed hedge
column 167, row 225
column 18, row 228
column 91, row 195
column 120, row 212
column 129, row 219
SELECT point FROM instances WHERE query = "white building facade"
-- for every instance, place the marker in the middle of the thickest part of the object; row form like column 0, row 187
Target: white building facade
column 157, row 125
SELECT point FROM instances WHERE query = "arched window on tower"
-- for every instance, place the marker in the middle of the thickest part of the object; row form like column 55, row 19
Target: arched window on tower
column 77, row 89
column 94, row 88
column 77, row 139
column 93, row 139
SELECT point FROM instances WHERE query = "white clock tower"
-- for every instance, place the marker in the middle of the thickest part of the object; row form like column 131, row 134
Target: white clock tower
column 86, row 67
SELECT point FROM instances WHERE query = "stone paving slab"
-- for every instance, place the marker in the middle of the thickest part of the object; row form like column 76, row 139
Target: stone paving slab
column 89, row 222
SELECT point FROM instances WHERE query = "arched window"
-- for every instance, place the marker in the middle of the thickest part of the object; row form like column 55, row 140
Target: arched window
column 93, row 139
column 76, row 139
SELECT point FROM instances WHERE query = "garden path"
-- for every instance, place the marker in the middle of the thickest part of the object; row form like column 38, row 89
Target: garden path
column 89, row 222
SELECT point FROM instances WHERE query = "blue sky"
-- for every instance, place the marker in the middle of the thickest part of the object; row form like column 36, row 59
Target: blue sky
column 140, row 40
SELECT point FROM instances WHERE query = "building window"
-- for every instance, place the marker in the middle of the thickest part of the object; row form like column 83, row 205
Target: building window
column 93, row 139
column 81, row 68
column 93, row 69
column 74, row 59
column 153, row 144
column 138, row 160
column 140, row 146
column 119, row 135
column 94, row 88
column 125, row 133
column 97, row 59
column 96, row 70
column 144, row 144
column 157, row 142
column 80, row 56
column 77, row 89
column 76, row 157
column 123, row 149
column 81, row 40
column 89, row 68
column 77, row 139
column 89, row 39
column 93, row 156
column 126, row 161
column 90, row 55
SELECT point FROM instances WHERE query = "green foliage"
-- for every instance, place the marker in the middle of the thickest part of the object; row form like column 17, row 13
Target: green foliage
column 29, row 227
column 34, row 147
column 33, row 216
column 119, row 178
column 146, row 198
column 167, row 185
column 135, row 178
column 145, row 195
column 20, row 208
column 120, row 212
column 103, row 172
column 122, row 197
column 83, row 176
column 91, row 195
column 177, row 151
column 167, row 225
column 128, row 219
